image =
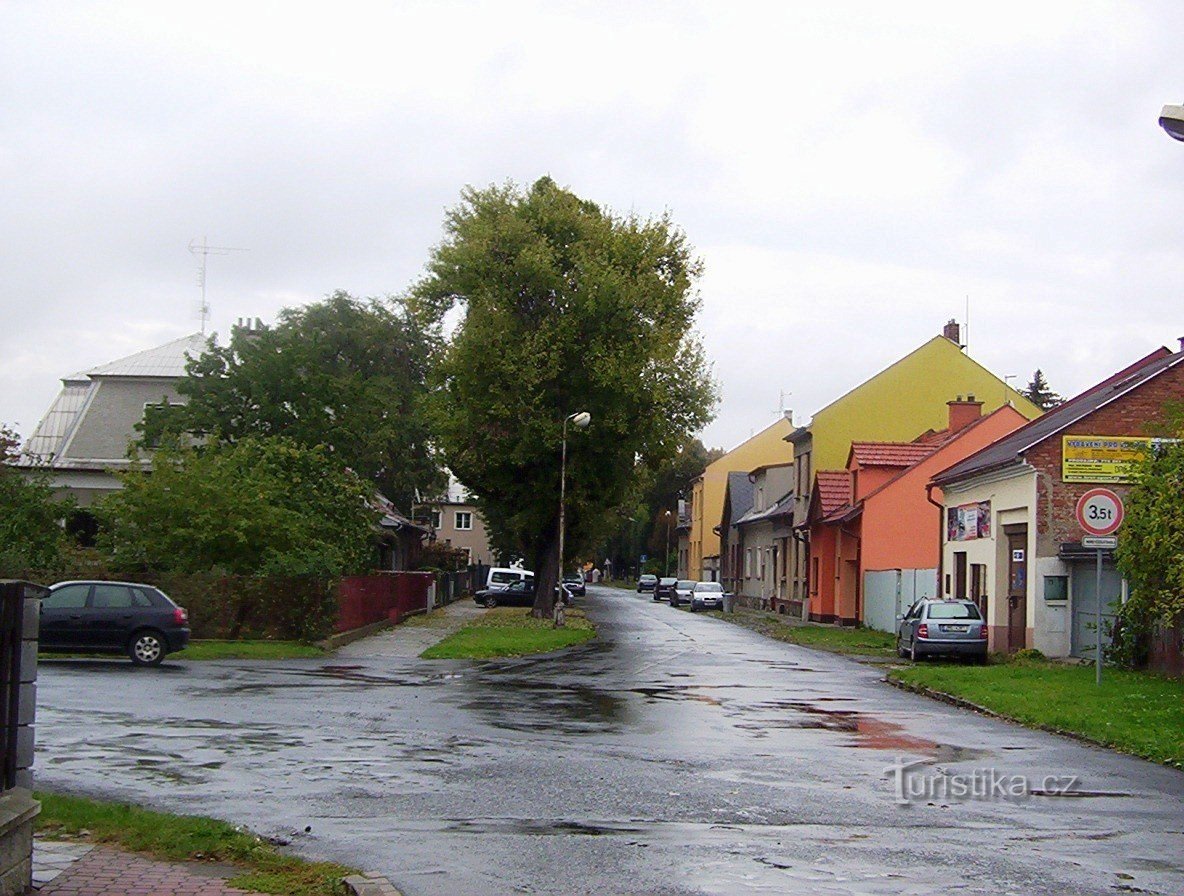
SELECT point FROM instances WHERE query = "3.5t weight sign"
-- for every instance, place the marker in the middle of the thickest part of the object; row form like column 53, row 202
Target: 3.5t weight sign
column 1099, row 511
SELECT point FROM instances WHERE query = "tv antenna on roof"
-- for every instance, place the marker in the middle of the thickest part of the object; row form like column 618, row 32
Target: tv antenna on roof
column 205, row 250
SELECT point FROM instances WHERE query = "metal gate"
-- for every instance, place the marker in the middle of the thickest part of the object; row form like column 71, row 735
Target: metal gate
column 888, row 593
column 1084, row 582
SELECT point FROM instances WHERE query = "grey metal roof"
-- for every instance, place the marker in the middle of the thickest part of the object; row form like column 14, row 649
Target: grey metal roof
column 740, row 490
column 783, row 506
column 1012, row 448
column 166, row 360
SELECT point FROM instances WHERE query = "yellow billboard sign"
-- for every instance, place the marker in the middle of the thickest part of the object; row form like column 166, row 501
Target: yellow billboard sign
column 1101, row 458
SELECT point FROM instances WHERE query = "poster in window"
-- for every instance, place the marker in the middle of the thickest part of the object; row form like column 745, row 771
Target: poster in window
column 968, row 521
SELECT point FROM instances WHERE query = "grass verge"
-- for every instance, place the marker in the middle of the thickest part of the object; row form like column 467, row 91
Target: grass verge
column 179, row 838
column 247, row 650
column 1132, row 711
column 849, row 641
column 511, row 631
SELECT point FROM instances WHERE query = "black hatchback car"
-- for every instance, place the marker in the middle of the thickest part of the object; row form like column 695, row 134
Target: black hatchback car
column 112, row 617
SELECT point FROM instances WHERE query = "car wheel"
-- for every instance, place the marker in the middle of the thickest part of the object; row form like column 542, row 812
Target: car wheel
column 490, row 602
column 147, row 648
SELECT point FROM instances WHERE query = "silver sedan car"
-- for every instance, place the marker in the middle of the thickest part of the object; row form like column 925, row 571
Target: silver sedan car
column 942, row 627
column 707, row 596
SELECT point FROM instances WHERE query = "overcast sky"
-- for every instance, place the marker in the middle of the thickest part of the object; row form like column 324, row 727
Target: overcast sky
column 849, row 173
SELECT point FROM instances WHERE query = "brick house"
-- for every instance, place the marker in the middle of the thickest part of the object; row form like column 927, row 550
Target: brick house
column 1011, row 540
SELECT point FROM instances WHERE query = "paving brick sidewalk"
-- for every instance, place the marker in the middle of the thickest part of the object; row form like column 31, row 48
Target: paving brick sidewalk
column 103, row 871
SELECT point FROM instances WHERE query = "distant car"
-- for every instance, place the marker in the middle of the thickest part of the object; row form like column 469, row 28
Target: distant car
column 647, row 583
column 707, row 596
column 517, row 594
column 942, row 627
column 682, row 592
column 664, row 590
column 112, row 617
column 574, row 582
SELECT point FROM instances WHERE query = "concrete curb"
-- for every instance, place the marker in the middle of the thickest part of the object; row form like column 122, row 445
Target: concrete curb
column 355, row 634
column 369, row 885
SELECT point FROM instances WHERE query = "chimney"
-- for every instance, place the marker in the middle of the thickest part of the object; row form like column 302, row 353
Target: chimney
column 952, row 332
column 963, row 413
column 789, row 412
column 1181, row 340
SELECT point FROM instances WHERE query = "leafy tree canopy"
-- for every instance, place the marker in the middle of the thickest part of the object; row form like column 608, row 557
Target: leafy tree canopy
column 344, row 373
column 1151, row 541
column 1039, row 393
column 258, row 506
column 31, row 534
column 566, row 308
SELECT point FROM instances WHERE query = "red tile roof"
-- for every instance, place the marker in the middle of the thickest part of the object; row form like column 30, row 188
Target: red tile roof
column 834, row 490
column 891, row 454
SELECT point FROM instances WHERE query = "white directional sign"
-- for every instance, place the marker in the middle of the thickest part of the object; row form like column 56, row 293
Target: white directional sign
column 1099, row 511
column 1100, row 542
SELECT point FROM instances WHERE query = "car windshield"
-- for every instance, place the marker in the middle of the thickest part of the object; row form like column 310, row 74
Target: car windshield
column 953, row 611
column 573, row 577
column 685, row 586
column 668, row 581
column 709, row 586
column 648, row 579
column 501, row 578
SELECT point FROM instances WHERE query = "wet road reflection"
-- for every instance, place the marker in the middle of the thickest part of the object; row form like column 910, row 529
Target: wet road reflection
column 675, row 755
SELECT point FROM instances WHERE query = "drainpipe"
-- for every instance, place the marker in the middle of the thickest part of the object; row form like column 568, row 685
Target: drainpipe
column 941, row 544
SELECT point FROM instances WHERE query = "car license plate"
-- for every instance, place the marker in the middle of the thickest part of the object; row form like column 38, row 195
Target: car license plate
column 955, row 628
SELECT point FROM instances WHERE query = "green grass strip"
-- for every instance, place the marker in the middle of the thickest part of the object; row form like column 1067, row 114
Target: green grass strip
column 511, row 631
column 247, row 650
column 1133, row 712
column 850, row 641
column 181, row 838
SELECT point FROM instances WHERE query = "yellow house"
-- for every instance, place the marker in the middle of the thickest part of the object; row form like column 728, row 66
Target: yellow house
column 899, row 403
column 707, row 493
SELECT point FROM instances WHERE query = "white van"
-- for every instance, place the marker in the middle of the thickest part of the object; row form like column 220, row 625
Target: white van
column 502, row 577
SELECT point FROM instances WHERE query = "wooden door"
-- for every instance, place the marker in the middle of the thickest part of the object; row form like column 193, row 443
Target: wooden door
column 1017, row 589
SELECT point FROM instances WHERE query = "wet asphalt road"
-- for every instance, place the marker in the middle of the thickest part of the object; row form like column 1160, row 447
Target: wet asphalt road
column 677, row 754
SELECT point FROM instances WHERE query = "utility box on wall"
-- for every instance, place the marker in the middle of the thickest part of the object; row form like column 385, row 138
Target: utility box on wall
column 20, row 606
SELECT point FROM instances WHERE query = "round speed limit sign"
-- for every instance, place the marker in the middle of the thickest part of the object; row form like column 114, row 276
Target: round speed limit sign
column 1099, row 511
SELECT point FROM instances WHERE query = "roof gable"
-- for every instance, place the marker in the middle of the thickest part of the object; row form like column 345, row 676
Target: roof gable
column 1011, row 449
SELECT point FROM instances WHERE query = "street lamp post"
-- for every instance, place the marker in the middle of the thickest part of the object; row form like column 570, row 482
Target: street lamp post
column 668, row 516
column 580, row 420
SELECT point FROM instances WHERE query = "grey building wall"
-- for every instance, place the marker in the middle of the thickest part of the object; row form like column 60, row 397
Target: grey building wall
column 108, row 423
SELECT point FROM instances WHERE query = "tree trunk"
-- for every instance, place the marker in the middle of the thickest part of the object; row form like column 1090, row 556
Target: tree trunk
column 546, row 574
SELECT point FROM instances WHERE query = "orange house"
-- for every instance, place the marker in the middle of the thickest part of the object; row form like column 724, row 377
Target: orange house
column 875, row 528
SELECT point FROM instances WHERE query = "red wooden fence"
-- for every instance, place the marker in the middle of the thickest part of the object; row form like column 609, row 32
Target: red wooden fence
column 364, row 600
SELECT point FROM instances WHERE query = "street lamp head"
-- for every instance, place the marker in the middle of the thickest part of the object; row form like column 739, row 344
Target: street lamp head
column 1171, row 119
column 580, row 419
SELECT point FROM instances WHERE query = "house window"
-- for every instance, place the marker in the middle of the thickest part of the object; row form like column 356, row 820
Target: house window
column 814, row 576
column 748, row 563
column 437, row 518
column 464, row 520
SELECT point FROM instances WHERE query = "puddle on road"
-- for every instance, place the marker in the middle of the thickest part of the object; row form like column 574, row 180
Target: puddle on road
column 536, row 828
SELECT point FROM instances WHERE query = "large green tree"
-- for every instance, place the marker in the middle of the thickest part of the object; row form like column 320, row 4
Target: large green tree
column 566, row 308
column 1151, row 541
column 31, row 534
column 346, row 373
column 259, row 506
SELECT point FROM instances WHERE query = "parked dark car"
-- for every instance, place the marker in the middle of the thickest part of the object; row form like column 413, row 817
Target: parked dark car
column 682, row 592
column 707, row 596
column 112, row 617
column 518, row 594
column 647, row 583
column 942, row 627
column 664, row 590
column 574, row 582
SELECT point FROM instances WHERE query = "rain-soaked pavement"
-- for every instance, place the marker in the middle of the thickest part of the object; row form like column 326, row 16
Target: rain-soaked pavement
column 676, row 755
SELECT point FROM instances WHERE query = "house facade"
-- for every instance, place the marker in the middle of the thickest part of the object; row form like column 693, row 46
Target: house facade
column 906, row 398
column 763, row 533
column 707, row 495
column 884, row 541
column 455, row 521
column 737, row 503
column 1010, row 536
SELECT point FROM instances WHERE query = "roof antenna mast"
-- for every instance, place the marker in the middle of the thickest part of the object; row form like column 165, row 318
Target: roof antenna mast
column 205, row 250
